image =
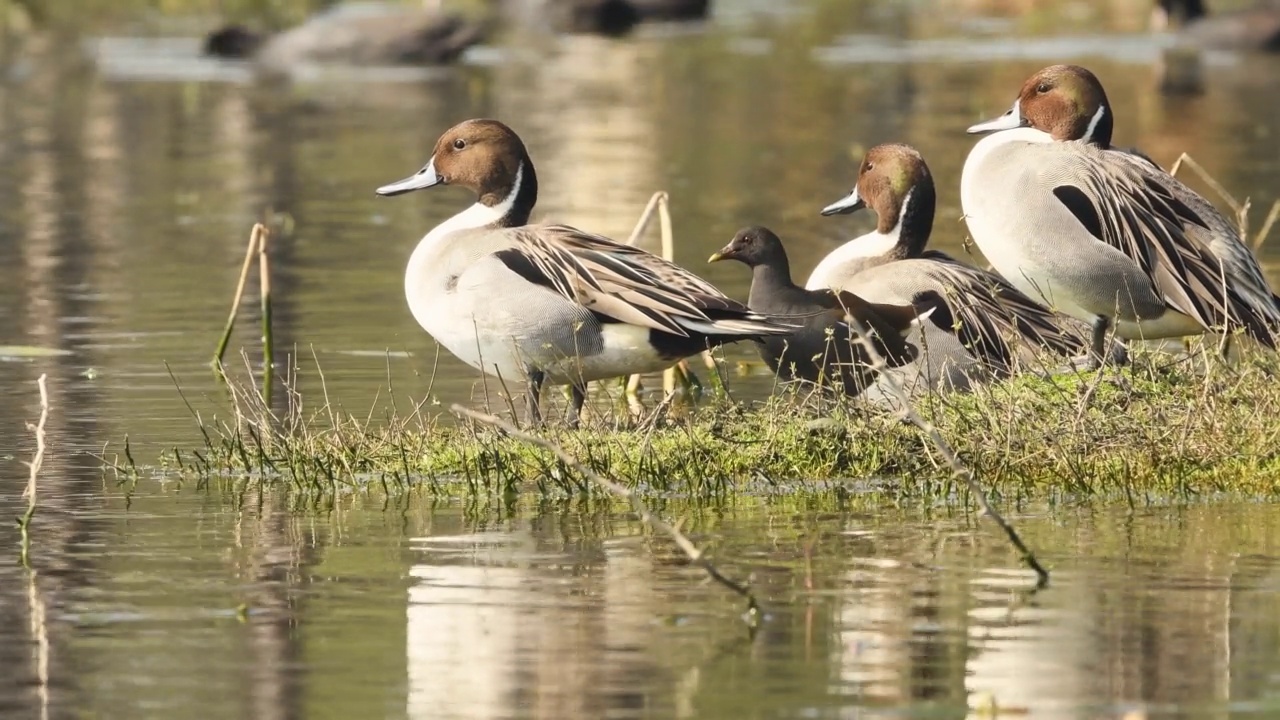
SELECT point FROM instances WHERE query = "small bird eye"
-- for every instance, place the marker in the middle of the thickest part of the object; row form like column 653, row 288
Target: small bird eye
column 871, row 166
column 1043, row 88
column 459, row 144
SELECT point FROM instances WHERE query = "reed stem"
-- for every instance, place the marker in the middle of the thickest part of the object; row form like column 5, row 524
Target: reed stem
column 661, row 204
column 249, row 253
column 264, row 286
column 24, row 522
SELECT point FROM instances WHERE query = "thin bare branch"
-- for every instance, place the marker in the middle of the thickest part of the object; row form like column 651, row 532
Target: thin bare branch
column 686, row 545
column 958, row 469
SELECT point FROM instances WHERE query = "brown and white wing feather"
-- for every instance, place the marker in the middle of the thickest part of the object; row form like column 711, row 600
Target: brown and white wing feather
column 988, row 313
column 1192, row 255
column 628, row 284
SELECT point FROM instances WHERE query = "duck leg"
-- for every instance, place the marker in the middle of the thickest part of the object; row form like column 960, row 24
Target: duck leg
column 536, row 377
column 575, row 405
column 1100, row 325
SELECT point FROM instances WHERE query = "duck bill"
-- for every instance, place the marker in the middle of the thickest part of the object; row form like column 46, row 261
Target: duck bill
column 424, row 178
column 848, row 204
column 1008, row 121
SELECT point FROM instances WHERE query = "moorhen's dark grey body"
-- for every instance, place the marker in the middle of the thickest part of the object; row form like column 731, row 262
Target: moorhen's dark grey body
column 824, row 348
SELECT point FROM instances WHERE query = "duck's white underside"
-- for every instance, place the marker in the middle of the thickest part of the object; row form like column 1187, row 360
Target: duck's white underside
column 1001, row 213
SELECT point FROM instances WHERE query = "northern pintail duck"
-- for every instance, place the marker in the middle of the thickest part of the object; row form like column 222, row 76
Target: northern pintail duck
column 362, row 33
column 1102, row 234
column 824, row 349
column 549, row 302
column 1253, row 28
column 981, row 325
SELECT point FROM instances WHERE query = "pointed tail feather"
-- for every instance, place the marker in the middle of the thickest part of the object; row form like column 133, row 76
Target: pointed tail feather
column 746, row 326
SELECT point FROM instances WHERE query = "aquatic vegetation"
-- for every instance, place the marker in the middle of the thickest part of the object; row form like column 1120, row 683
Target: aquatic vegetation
column 37, row 462
column 259, row 238
column 1167, row 426
column 15, row 353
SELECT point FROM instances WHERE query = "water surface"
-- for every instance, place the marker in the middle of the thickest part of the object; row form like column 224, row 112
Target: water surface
column 127, row 187
column 183, row 605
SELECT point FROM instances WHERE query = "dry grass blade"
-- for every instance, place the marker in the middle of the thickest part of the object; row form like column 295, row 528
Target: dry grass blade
column 1272, row 216
column 686, row 545
column 1241, row 210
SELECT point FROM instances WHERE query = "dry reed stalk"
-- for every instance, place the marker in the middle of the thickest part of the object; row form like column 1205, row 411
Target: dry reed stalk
column 249, row 254
column 660, row 203
column 40, row 632
column 1272, row 217
column 1242, row 217
column 264, row 289
column 35, row 603
column 258, row 241
column 1241, row 210
column 24, row 523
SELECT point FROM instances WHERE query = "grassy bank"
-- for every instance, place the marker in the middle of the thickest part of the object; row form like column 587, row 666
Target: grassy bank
column 1162, row 427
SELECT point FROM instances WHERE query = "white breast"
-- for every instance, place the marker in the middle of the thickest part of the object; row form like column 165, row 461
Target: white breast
column 997, row 211
column 447, row 309
column 835, row 267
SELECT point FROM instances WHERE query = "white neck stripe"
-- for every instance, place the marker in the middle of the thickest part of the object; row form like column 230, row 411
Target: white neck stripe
column 1093, row 124
column 902, row 214
column 837, row 265
column 478, row 215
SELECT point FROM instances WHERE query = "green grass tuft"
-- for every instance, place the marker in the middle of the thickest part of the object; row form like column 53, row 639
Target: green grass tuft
column 1162, row 428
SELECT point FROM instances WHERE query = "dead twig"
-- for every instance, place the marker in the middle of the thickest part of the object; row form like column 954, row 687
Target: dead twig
column 690, row 550
column 958, row 469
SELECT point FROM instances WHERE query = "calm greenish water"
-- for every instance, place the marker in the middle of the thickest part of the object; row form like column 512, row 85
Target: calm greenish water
column 127, row 188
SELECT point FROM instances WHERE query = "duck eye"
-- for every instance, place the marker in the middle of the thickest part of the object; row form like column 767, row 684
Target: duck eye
column 459, row 144
column 1043, row 88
